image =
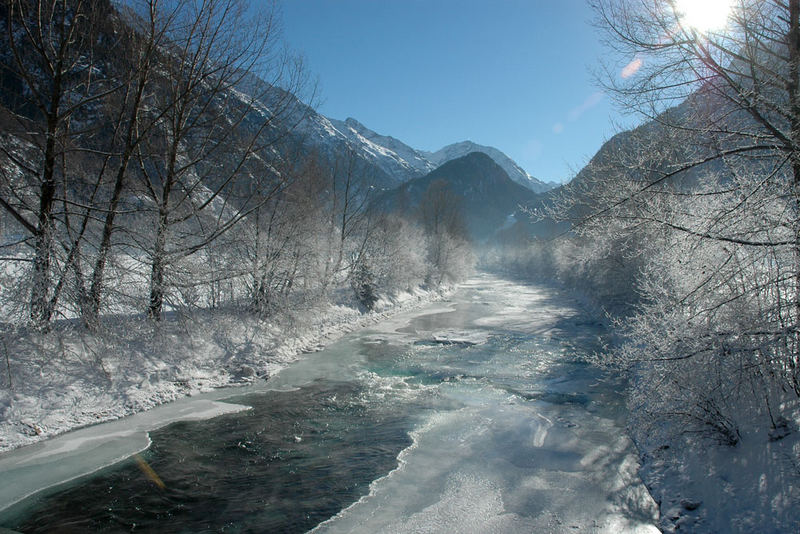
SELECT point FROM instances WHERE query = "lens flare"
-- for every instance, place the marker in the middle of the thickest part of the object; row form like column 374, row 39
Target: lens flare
column 631, row 68
column 148, row 471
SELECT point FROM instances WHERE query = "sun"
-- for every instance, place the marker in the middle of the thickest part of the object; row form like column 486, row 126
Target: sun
column 703, row 15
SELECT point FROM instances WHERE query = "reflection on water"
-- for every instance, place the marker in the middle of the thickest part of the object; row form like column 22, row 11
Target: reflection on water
column 482, row 419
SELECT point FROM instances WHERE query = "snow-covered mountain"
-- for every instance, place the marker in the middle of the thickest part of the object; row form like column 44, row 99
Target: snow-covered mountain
column 393, row 162
column 514, row 171
column 392, row 155
column 386, row 161
column 395, row 159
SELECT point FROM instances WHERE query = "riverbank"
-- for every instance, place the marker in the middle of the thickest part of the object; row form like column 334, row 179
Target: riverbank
column 704, row 485
column 700, row 482
column 66, row 379
column 480, row 414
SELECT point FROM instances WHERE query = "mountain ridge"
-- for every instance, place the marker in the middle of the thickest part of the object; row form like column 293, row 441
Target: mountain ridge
column 488, row 198
column 399, row 161
column 512, row 168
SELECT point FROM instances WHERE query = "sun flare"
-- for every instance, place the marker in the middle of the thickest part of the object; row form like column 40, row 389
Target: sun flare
column 703, row 15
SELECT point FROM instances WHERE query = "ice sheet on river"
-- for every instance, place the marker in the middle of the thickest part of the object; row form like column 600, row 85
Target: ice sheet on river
column 501, row 466
column 87, row 450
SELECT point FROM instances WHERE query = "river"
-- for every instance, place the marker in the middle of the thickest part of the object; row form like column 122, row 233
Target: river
column 477, row 414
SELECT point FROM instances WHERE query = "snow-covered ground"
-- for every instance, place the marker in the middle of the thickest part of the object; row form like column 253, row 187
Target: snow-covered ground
column 702, row 485
column 55, row 382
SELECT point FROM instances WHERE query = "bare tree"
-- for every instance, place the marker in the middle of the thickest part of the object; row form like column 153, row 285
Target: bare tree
column 217, row 126
column 349, row 192
column 442, row 220
column 146, row 29
column 280, row 243
column 52, row 63
column 396, row 253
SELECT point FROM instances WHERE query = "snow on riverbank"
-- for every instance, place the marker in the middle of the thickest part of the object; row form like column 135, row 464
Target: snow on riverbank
column 55, row 382
column 702, row 485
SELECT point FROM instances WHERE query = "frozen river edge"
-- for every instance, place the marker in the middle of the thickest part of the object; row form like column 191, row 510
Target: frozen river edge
column 117, row 374
column 537, row 434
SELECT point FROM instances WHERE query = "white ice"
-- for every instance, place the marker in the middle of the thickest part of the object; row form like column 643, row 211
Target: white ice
column 84, row 451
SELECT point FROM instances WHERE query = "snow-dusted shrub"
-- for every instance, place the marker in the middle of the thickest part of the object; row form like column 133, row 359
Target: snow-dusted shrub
column 363, row 284
column 396, row 253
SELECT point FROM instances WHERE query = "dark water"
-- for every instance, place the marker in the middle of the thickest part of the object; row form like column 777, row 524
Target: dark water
column 483, row 417
column 293, row 460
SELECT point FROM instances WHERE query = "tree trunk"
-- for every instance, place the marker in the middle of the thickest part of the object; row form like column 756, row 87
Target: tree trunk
column 157, row 273
column 91, row 315
column 40, row 308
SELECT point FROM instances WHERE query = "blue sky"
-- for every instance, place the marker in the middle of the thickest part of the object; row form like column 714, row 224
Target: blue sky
column 514, row 74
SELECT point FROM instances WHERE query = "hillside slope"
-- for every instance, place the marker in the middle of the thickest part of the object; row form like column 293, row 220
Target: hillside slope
column 489, row 200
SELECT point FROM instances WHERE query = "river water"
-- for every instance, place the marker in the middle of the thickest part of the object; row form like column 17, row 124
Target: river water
column 478, row 414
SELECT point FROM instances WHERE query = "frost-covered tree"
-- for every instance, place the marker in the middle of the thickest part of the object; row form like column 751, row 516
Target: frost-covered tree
column 397, row 253
column 706, row 198
column 281, row 240
column 207, row 163
column 144, row 27
column 449, row 253
column 348, row 191
column 51, row 77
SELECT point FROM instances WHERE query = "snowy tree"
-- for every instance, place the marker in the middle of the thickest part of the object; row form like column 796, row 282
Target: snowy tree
column 397, row 253
column 145, row 28
column 281, row 242
column 449, row 253
column 50, row 72
column 707, row 198
column 207, row 165
column 348, row 191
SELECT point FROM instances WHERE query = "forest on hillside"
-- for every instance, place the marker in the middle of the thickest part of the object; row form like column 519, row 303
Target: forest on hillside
column 150, row 163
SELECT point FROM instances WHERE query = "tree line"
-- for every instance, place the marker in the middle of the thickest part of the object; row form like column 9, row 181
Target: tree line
column 687, row 228
column 150, row 159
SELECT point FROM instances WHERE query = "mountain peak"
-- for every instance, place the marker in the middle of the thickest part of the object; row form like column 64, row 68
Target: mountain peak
column 476, row 159
column 514, row 171
column 357, row 126
column 474, row 170
column 487, row 197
